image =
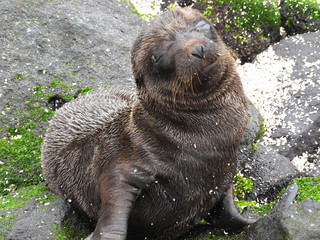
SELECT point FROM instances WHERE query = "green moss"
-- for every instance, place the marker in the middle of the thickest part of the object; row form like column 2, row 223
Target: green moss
column 247, row 15
column 19, row 77
column 14, row 202
column 256, row 15
column 21, row 140
column 303, row 8
column 66, row 232
column 20, row 160
column 258, row 209
column 242, row 186
column 20, row 147
column 172, row 5
column 85, row 91
column 258, row 136
column 261, row 132
column 5, row 223
column 133, row 9
column 302, row 16
column 253, row 147
column 309, row 188
column 59, row 84
column 22, row 196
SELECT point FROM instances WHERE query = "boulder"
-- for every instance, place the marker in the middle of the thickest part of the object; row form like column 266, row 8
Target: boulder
column 301, row 221
column 36, row 221
column 298, row 18
column 283, row 83
column 86, row 43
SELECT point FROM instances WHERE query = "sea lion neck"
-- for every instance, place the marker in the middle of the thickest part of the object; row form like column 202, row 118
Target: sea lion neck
column 163, row 102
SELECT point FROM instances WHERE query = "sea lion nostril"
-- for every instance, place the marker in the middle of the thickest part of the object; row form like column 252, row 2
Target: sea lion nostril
column 198, row 52
column 156, row 58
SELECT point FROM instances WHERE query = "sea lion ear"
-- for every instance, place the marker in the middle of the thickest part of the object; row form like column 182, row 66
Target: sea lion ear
column 139, row 80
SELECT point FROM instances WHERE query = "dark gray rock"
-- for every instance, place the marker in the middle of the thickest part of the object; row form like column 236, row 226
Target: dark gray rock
column 283, row 83
column 298, row 20
column 301, row 123
column 301, row 221
column 86, row 43
column 36, row 221
column 270, row 173
column 251, row 133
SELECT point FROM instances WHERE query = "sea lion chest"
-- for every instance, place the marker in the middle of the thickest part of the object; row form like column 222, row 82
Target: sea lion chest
column 191, row 168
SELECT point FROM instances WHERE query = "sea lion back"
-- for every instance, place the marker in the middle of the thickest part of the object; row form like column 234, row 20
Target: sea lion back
column 78, row 120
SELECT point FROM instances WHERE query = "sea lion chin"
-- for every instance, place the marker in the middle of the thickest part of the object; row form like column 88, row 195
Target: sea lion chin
column 152, row 164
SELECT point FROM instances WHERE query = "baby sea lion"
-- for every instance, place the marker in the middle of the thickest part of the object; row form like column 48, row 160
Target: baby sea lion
column 152, row 164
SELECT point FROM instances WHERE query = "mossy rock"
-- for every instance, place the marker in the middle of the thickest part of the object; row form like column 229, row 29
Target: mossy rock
column 300, row 16
column 248, row 27
column 35, row 213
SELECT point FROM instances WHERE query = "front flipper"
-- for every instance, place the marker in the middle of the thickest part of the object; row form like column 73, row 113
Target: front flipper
column 118, row 193
column 114, row 214
column 226, row 216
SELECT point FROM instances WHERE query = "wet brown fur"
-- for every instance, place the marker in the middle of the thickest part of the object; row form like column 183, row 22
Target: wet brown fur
column 154, row 163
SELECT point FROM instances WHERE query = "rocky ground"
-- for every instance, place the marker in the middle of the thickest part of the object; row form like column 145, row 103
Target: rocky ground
column 73, row 45
column 283, row 83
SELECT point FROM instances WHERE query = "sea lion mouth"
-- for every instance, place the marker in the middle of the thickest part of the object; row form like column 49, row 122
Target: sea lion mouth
column 208, row 67
column 206, row 64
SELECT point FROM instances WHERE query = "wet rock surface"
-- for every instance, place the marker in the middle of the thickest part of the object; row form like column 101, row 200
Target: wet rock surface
column 301, row 221
column 283, row 83
column 36, row 221
column 86, row 43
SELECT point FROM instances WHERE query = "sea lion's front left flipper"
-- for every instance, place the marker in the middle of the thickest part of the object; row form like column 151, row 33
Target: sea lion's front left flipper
column 226, row 216
column 118, row 195
column 114, row 213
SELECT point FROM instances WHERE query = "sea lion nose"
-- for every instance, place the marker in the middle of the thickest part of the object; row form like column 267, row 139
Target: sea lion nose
column 198, row 52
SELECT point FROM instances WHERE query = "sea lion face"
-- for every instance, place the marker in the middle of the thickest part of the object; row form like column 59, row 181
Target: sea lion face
column 179, row 55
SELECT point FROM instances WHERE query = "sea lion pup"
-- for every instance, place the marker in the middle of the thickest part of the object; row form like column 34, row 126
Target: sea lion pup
column 151, row 165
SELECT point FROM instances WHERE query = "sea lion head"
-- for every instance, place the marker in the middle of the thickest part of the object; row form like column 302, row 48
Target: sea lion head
column 179, row 57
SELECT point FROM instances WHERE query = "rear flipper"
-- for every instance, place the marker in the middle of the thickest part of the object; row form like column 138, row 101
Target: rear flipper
column 226, row 216
column 286, row 200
